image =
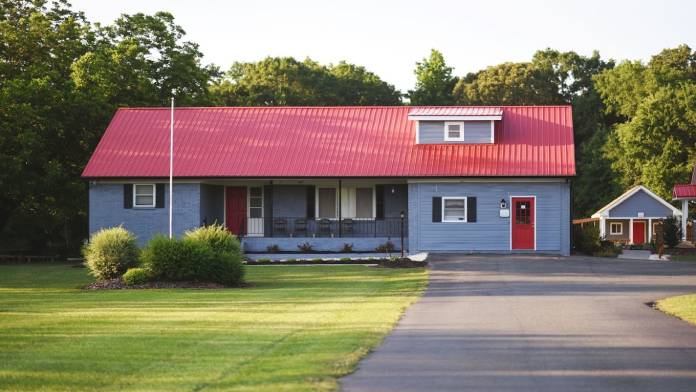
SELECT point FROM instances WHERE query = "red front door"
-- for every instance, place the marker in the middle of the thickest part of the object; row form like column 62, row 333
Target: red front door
column 236, row 209
column 638, row 232
column 522, row 223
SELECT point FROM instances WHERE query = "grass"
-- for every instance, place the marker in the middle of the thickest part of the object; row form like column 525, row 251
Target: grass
column 682, row 306
column 683, row 257
column 295, row 328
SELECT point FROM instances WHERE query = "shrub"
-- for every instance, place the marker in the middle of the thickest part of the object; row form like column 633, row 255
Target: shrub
column 217, row 237
column 345, row 259
column 306, row 247
column 319, row 260
column 671, row 231
column 110, row 252
column 136, row 276
column 347, row 248
column 586, row 239
column 264, row 260
column 291, row 260
column 273, row 248
column 386, row 247
column 193, row 258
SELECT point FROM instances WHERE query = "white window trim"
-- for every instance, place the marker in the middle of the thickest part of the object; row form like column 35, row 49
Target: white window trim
column 466, row 205
column 461, row 133
column 249, row 201
column 611, row 228
column 154, row 196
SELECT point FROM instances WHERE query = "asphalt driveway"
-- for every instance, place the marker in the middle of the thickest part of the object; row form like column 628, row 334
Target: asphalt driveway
column 517, row 323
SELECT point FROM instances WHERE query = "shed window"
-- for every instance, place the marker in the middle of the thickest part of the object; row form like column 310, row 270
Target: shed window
column 143, row 195
column 454, row 131
column 454, row 209
column 616, row 228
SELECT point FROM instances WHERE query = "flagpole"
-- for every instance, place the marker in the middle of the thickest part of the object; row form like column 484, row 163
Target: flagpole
column 171, row 164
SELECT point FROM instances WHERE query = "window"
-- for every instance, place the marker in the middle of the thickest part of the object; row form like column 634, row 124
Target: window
column 256, row 202
column 143, row 195
column 454, row 131
column 454, row 209
column 616, row 228
column 327, row 203
column 363, row 203
column 523, row 213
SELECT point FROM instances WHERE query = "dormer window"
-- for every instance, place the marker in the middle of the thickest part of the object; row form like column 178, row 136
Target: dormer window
column 454, row 131
column 456, row 125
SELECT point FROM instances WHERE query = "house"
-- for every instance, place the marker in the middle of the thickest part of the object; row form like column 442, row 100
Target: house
column 634, row 217
column 465, row 179
column 685, row 193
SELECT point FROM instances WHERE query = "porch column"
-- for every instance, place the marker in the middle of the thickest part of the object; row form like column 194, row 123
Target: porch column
column 630, row 231
column 650, row 230
column 602, row 227
column 685, row 217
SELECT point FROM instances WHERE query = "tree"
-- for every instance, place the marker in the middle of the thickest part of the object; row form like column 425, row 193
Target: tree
column 434, row 81
column 61, row 80
column 283, row 81
column 654, row 144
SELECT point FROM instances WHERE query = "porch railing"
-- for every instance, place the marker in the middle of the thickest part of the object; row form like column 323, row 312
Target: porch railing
column 316, row 227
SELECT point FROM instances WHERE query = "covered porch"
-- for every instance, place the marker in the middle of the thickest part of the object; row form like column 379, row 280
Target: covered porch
column 326, row 214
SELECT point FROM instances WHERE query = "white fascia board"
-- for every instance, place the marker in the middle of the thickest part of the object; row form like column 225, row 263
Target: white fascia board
column 454, row 118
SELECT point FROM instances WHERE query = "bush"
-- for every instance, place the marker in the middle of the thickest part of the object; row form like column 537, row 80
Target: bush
column 347, row 248
column 264, row 260
column 345, row 259
column 196, row 257
column 586, row 239
column 110, row 252
column 217, row 237
column 671, row 231
column 136, row 276
column 387, row 247
column 306, row 247
column 273, row 248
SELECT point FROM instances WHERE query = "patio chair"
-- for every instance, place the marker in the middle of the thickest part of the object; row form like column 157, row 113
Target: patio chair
column 324, row 227
column 300, row 227
column 347, row 227
column 280, row 226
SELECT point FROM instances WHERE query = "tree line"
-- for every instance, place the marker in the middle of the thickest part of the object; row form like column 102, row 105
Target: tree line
column 62, row 78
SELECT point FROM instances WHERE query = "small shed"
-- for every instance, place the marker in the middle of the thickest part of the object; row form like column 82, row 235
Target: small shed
column 634, row 217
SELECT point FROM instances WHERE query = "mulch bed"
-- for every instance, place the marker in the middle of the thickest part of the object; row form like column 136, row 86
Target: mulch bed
column 386, row 263
column 403, row 263
column 117, row 284
column 681, row 251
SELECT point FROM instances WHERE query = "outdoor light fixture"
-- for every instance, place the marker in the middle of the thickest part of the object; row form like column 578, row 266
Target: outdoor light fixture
column 503, row 204
column 393, row 190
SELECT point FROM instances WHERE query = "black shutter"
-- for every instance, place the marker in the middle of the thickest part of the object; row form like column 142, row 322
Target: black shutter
column 471, row 209
column 311, row 201
column 437, row 209
column 379, row 201
column 127, row 195
column 159, row 195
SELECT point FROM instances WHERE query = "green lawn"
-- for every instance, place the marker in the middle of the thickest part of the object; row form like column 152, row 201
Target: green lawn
column 296, row 328
column 682, row 306
column 683, row 257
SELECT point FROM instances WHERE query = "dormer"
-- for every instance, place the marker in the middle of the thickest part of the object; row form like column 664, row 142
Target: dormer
column 455, row 125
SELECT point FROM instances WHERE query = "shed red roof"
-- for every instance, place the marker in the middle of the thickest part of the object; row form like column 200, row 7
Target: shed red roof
column 684, row 191
column 327, row 142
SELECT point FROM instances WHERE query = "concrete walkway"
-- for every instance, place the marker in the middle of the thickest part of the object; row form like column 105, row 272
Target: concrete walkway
column 509, row 323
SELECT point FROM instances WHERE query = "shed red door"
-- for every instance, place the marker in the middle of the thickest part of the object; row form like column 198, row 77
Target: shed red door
column 638, row 232
column 236, row 209
column 522, row 223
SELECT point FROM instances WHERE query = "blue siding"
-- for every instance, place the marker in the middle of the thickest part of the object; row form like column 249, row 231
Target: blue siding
column 640, row 202
column 433, row 132
column 106, row 210
column 490, row 233
column 395, row 203
column 289, row 201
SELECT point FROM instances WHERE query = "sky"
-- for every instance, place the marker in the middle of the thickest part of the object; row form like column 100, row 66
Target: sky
column 389, row 37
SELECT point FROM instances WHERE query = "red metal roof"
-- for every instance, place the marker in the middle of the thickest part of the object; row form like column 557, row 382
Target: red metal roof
column 327, row 142
column 684, row 191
